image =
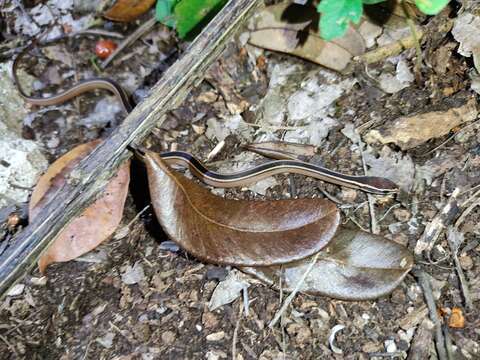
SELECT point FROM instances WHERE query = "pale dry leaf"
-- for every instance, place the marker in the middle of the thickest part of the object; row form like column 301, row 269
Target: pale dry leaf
column 273, row 31
column 354, row 266
column 95, row 224
column 391, row 165
column 228, row 290
column 410, row 131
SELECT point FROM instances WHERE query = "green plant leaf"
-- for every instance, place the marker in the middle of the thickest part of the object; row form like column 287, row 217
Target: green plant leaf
column 191, row 13
column 371, row 2
column 164, row 12
column 336, row 16
column 431, row 7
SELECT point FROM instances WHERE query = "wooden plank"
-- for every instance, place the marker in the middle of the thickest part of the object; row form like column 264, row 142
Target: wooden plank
column 89, row 177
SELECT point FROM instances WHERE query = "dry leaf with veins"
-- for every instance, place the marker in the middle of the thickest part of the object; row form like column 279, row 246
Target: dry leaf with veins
column 286, row 27
column 237, row 232
column 95, row 224
column 355, row 265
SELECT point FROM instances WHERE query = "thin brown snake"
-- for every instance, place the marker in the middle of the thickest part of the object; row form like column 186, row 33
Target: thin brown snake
column 371, row 184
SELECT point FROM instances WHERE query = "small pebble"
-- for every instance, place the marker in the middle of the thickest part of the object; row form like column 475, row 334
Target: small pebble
column 216, row 336
column 39, row 281
column 16, row 290
column 216, row 273
column 466, row 262
column 168, row 337
column 390, row 346
column 402, row 215
column 169, row 246
column 348, row 195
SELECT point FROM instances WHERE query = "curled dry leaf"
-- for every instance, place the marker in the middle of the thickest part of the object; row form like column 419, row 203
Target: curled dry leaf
column 411, row 131
column 354, row 266
column 237, row 232
column 128, row 10
column 284, row 27
column 95, row 224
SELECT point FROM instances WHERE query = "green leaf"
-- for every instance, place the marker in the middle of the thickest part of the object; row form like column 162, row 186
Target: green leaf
column 336, row 16
column 164, row 12
column 191, row 13
column 371, row 2
column 431, row 7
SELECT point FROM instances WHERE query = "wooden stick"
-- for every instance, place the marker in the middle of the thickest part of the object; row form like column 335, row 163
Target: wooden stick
column 424, row 283
column 433, row 229
column 137, row 34
column 454, row 237
column 90, row 176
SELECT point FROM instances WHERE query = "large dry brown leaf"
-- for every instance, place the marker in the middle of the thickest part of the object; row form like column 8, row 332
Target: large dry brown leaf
column 237, row 232
column 296, row 37
column 95, row 224
column 354, row 266
column 128, row 10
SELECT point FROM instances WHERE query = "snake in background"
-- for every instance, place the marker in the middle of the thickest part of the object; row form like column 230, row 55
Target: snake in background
column 283, row 164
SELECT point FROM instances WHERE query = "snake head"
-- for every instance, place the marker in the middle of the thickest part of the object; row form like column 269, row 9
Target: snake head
column 380, row 185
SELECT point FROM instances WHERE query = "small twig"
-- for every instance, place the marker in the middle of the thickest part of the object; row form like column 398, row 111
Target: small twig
column 290, row 297
column 352, row 219
column 420, row 346
column 424, row 283
column 468, row 210
column 371, row 199
column 388, row 50
column 10, row 346
column 439, row 222
column 87, row 348
column 235, row 334
column 394, row 206
column 216, row 150
column 331, row 197
column 282, row 327
column 274, row 127
column 93, row 61
column 391, row 355
column 448, row 343
column 475, row 187
column 101, row 32
column 246, row 302
column 413, row 30
column 292, row 186
column 449, row 138
column 142, row 30
column 454, row 238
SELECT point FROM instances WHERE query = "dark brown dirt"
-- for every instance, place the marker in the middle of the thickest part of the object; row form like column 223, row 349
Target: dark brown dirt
column 85, row 311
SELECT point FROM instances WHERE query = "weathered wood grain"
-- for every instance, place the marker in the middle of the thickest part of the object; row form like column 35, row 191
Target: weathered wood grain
column 91, row 175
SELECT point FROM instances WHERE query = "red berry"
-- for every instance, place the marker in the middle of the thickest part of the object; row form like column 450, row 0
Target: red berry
column 103, row 48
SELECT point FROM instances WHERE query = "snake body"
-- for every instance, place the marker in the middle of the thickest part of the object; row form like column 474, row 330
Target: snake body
column 371, row 184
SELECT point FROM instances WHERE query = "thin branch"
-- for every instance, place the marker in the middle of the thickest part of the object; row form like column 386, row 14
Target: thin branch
column 439, row 222
column 454, row 238
column 290, row 297
column 424, row 283
column 137, row 34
